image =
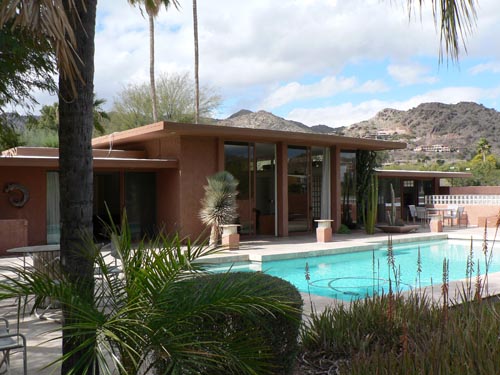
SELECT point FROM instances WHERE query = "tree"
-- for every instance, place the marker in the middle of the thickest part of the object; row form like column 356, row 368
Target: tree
column 175, row 102
column 49, row 117
column 152, row 9
column 26, row 63
column 196, row 65
column 69, row 27
column 219, row 204
column 483, row 149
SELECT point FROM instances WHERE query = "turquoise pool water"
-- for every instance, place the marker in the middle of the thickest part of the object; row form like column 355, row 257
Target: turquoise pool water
column 358, row 274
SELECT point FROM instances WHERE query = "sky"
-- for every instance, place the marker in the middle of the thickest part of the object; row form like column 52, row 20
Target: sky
column 331, row 62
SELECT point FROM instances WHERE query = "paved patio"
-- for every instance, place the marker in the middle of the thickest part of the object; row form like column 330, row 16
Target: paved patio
column 41, row 351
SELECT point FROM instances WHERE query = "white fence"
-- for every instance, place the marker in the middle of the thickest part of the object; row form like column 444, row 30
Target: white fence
column 470, row 200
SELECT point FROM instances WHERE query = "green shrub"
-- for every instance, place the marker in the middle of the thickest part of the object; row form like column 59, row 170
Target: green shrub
column 269, row 333
column 343, row 229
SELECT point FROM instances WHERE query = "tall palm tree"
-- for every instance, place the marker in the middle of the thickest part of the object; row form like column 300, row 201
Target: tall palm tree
column 69, row 26
column 196, row 65
column 152, row 8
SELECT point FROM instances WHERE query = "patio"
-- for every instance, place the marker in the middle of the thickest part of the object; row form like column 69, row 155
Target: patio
column 41, row 351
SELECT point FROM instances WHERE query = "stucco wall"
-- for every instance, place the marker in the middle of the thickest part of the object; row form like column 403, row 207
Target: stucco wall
column 168, row 203
column 199, row 160
column 33, row 211
column 475, row 190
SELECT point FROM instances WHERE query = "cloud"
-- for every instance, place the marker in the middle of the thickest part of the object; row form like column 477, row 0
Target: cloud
column 410, row 74
column 348, row 113
column 492, row 67
column 372, row 87
column 328, row 86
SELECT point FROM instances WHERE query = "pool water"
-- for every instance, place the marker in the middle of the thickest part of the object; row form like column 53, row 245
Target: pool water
column 359, row 274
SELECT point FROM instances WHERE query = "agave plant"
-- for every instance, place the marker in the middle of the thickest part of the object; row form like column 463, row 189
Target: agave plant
column 134, row 320
column 219, row 203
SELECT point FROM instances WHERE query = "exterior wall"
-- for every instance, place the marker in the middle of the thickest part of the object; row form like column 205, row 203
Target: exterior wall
column 475, row 190
column 199, row 160
column 167, row 198
column 163, row 147
column 34, row 212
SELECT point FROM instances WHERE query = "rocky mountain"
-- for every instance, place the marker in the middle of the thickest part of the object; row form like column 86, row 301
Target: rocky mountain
column 455, row 127
column 431, row 130
column 263, row 120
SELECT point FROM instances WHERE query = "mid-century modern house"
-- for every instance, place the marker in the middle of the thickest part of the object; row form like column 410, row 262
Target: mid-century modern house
column 157, row 172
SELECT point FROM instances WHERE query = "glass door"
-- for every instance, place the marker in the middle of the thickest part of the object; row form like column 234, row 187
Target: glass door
column 299, row 216
column 254, row 166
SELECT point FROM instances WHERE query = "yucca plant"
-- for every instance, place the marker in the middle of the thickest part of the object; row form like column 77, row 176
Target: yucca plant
column 219, row 203
column 132, row 322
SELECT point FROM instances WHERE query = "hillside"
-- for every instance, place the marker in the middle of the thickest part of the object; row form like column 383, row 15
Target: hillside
column 455, row 127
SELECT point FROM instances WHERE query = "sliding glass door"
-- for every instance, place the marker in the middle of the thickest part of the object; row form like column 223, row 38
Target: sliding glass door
column 254, row 166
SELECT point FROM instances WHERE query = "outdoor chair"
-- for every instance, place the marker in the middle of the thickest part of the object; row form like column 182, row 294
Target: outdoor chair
column 451, row 215
column 422, row 215
column 460, row 214
column 413, row 212
column 11, row 341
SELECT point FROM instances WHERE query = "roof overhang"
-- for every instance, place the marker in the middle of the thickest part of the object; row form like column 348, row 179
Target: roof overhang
column 168, row 129
column 421, row 174
column 48, row 157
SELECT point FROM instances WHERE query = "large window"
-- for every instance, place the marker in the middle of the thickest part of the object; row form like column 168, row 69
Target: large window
column 254, row 166
column 348, row 187
column 298, row 189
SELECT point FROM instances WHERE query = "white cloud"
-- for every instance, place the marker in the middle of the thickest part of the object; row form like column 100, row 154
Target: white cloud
column 410, row 74
column 250, row 48
column 328, row 86
column 493, row 67
column 372, row 87
column 347, row 113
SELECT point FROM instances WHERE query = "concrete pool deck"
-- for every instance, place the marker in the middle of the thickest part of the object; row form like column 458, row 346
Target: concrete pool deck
column 41, row 351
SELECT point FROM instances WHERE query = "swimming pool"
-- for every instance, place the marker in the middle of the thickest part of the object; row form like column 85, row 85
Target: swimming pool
column 358, row 274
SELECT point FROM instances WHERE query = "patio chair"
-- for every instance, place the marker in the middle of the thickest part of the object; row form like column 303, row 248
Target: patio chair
column 8, row 342
column 413, row 211
column 460, row 214
column 451, row 215
column 422, row 215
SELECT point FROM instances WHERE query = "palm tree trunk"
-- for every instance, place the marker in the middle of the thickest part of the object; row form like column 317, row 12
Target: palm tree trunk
column 76, row 170
column 196, row 65
column 152, row 65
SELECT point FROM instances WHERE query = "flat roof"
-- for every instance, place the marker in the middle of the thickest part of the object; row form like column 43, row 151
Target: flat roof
column 48, row 157
column 168, row 129
column 420, row 174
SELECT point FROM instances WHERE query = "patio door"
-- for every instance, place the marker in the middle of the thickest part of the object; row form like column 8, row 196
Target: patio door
column 254, row 166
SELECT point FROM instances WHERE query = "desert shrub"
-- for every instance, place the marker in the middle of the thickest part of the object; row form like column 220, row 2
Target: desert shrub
column 394, row 335
column 264, row 336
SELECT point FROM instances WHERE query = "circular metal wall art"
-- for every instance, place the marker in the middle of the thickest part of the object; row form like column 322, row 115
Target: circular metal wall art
column 19, row 194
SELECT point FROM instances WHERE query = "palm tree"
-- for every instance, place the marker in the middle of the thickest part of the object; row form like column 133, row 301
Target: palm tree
column 196, row 65
column 70, row 27
column 483, row 148
column 219, row 204
column 152, row 9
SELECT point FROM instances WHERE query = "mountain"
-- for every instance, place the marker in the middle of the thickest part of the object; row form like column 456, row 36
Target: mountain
column 455, row 127
column 263, row 120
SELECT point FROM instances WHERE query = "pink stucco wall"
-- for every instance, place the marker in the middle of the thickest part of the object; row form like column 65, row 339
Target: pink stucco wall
column 199, row 160
column 33, row 212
